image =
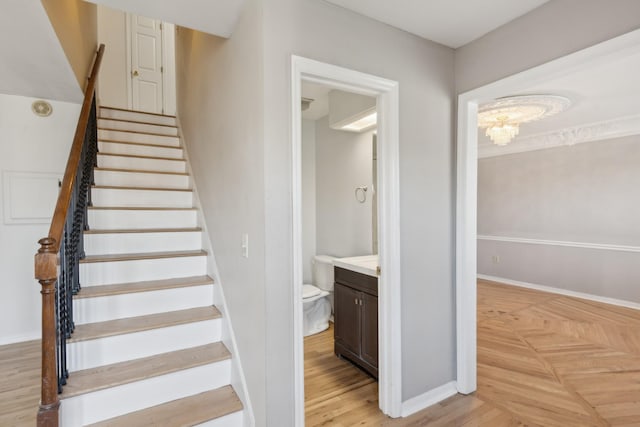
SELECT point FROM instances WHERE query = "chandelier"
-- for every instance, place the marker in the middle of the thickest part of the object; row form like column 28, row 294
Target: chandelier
column 502, row 118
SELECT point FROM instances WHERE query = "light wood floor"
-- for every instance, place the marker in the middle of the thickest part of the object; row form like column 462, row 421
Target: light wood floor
column 543, row 360
column 19, row 384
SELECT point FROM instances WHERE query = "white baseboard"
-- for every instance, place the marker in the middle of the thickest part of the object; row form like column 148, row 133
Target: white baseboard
column 429, row 398
column 582, row 295
column 15, row 339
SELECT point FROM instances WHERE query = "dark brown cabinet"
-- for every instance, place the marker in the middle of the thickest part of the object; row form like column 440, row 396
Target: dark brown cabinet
column 356, row 319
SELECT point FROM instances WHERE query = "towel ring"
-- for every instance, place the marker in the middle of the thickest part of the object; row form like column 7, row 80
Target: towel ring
column 361, row 194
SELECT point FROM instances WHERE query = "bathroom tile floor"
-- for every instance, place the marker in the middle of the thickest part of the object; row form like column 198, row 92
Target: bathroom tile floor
column 543, row 360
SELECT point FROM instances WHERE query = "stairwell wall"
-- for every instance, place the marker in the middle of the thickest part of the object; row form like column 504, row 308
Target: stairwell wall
column 76, row 24
column 424, row 69
column 219, row 94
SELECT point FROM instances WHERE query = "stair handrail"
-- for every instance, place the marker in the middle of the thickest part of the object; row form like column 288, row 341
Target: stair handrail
column 57, row 259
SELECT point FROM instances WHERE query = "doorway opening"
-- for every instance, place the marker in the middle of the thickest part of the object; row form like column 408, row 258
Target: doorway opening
column 601, row 55
column 150, row 59
column 384, row 97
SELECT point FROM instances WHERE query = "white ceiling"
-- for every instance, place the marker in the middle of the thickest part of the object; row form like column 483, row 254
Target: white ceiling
column 452, row 23
column 605, row 104
column 218, row 17
column 33, row 62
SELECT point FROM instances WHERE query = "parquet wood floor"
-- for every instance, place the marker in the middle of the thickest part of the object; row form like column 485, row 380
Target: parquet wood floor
column 544, row 360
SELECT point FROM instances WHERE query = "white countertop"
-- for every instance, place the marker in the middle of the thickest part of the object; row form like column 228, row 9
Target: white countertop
column 367, row 264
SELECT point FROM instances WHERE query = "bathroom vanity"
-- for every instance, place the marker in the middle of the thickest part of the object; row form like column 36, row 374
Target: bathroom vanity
column 356, row 311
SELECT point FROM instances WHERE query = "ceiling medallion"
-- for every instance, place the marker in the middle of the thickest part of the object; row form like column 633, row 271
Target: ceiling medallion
column 502, row 118
column 41, row 108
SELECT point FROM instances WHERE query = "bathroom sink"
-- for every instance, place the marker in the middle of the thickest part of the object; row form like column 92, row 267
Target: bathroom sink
column 366, row 264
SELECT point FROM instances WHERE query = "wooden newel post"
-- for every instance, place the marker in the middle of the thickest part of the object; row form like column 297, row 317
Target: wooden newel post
column 46, row 262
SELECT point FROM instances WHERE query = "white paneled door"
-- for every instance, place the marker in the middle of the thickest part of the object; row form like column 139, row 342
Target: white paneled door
column 146, row 64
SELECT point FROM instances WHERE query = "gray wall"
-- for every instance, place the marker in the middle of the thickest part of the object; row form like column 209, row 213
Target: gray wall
column 220, row 88
column 551, row 31
column 328, row 33
column 587, row 193
column 343, row 162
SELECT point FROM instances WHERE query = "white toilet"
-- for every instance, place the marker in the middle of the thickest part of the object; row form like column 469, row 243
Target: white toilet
column 316, row 298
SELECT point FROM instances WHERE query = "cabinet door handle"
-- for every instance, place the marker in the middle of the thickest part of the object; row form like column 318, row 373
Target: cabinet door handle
column 355, row 301
column 360, row 302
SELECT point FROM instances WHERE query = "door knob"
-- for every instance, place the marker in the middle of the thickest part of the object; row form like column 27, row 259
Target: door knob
column 135, row 73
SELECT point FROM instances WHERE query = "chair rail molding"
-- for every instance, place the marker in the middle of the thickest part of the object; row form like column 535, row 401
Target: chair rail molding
column 583, row 245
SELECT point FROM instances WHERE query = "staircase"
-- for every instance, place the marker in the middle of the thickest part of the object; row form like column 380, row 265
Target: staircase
column 147, row 346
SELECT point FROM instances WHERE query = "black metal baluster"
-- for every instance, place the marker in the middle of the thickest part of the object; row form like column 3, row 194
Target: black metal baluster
column 72, row 246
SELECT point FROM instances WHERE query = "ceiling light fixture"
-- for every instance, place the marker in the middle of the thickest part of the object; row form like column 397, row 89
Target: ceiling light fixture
column 361, row 122
column 502, row 118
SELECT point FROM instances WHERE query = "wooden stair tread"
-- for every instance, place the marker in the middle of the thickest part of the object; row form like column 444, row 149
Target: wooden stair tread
column 144, row 230
column 136, row 111
column 138, row 256
column 144, row 144
column 147, row 286
column 107, row 376
column 137, row 121
column 130, row 325
column 117, row 187
column 140, row 208
column 140, row 171
column 188, row 411
column 141, row 157
column 137, row 132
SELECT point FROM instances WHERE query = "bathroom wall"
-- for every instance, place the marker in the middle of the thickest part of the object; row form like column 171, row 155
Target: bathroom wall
column 565, row 217
column 308, row 198
column 343, row 162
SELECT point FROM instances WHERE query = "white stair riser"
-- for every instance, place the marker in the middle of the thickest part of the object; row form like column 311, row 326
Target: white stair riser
column 137, row 127
column 118, row 197
column 121, row 243
column 139, row 150
column 101, row 309
column 119, row 348
column 115, row 401
column 232, row 420
column 103, row 273
column 138, row 163
column 109, row 113
column 141, row 179
column 145, row 138
column 107, row 219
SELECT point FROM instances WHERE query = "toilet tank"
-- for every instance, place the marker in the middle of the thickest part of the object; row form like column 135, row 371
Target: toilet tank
column 323, row 272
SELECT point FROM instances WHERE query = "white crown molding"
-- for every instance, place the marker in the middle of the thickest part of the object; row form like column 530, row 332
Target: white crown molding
column 599, row 246
column 608, row 129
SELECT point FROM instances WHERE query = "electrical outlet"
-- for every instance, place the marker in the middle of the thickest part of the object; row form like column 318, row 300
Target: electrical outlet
column 496, row 259
column 245, row 245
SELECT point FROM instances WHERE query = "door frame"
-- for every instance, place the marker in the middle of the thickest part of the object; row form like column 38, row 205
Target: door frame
column 168, row 60
column 467, row 182
column 389, row 309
